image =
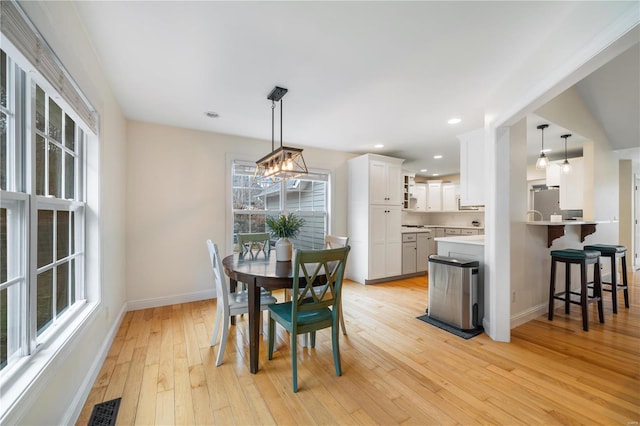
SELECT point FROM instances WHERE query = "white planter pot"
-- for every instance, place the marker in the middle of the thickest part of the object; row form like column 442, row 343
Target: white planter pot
column 284, row 250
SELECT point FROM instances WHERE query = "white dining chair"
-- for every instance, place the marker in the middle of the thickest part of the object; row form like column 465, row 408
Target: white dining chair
column 229, row 304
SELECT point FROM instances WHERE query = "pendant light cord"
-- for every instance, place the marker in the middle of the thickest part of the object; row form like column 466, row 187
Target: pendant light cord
column 273, row 107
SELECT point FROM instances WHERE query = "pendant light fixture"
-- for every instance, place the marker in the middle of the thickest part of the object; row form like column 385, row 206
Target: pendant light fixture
column 284, row 162
column 566, row 167
column 543, row 161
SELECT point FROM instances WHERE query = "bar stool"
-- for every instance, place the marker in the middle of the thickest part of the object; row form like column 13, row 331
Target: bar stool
column 614, row 253
column 582, row 258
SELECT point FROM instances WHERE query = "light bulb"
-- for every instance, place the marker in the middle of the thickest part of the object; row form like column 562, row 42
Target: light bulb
column 542, row 162
column 566, row 167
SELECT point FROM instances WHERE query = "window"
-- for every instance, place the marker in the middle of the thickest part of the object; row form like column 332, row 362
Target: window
column 41, row 213
column 306, row 197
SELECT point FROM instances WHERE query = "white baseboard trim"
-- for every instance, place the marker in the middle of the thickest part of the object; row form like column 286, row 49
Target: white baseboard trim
column 75, row 408
column 529, row 314
column 135, row 305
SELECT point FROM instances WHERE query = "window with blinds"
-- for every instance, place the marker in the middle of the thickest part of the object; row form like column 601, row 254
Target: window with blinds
column 254, row 200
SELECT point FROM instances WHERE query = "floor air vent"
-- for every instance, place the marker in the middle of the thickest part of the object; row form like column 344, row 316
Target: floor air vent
column 105, row 413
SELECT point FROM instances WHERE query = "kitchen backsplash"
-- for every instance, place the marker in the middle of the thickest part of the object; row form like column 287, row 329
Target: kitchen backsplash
column 443, row 218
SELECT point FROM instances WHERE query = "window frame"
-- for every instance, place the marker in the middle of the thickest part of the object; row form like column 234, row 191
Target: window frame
column 20, row 194
column 326, row 177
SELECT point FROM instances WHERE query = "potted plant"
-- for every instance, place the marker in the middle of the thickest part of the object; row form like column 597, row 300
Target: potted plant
column 283, row 228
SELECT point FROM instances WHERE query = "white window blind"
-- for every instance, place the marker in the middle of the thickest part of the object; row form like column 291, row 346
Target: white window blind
column 20, row 31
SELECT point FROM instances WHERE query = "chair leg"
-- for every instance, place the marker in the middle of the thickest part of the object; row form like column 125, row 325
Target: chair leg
column 294, row 360
column 567, row 287
column 614, row 283
column 216, row 329
column 223, row 340
column 335, row 333
column 313, row 339
column 552, row 289
column 597, row 288
column 583, row 295
column 272, row 336
column 624, row 281
column 344, row 329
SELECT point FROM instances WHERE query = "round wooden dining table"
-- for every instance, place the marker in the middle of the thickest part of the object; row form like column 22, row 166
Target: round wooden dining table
column 257, row 271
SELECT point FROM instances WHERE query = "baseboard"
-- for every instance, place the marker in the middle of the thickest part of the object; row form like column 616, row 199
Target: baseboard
column 75, row 408
column 135, row 305
column 529, row 314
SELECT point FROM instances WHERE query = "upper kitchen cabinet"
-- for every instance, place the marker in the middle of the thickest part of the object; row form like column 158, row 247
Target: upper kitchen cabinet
column 571, row 185
column 385, row 179
column 434, row 196
column 472, row 168
column 450, row 194
column 421, row 197
column 409, row 199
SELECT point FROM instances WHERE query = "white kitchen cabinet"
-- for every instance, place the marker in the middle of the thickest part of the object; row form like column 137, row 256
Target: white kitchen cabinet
column 415, row 252
column 385, row 182
column 472, row 168
column 553, row 174
column 386, row 242
column 434, row 196
column 450, row 197
column 422, row 251
column 374, row 218
column 572, row 186
column 421, row 197
column 409, row 199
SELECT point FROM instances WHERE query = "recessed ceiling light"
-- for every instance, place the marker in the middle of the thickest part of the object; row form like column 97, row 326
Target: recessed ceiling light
column 546, row 150
column 454, row 120
column 436, row 174
column 212, row 114
column 423, row 170
column 437, row 157
column 379, row 145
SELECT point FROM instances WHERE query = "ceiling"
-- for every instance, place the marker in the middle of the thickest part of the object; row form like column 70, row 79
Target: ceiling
column 358, row 73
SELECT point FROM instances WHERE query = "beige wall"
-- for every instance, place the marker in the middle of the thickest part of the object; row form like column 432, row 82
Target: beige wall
column 530, row 257
column 178, row 191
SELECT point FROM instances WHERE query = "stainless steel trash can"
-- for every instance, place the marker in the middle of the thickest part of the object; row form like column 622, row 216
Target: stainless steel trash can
column 453, row 292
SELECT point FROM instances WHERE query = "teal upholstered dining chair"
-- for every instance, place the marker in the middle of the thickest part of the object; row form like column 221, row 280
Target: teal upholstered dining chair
column 310, row 311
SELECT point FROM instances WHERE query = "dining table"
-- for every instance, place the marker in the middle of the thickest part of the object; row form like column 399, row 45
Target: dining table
column 256, row 271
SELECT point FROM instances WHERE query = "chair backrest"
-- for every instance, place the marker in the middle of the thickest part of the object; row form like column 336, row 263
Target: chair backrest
column 335, row 241
column 324, row 267
column 222, row 290
column 254, row 243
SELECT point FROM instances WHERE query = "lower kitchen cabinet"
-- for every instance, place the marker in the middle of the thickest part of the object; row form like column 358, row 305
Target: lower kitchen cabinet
column 415, row 252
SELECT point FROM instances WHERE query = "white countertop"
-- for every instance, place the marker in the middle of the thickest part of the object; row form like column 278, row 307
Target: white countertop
column 563, row 222
column 477, row 240
column 428, row 228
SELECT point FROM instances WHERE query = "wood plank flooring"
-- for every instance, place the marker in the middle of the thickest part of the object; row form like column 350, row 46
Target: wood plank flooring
column 396, row 369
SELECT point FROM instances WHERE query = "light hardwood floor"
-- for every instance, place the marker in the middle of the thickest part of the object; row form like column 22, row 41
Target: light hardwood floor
column 396, row 369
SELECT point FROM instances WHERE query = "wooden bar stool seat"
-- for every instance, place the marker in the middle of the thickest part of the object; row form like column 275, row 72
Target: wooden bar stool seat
column 582, row 258
column 614, row 252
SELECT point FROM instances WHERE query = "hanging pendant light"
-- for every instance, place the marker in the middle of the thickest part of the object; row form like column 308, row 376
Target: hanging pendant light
column 566, row 167
column 543, row 161
column 284, row 162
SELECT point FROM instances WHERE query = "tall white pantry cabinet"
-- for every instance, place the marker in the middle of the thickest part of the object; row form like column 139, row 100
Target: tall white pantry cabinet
column 375, row 219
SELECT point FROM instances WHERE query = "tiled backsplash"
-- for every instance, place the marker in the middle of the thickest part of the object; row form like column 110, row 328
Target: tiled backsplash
column 443, row 218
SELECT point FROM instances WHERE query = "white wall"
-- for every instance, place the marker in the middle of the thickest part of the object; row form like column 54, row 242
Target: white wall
column 178, row 196
column 58, row 393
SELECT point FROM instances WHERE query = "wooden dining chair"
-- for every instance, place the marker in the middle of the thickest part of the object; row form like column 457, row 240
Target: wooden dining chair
column 330, row 241
column 254, row 243
column 309, row 311
column 228, row 304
